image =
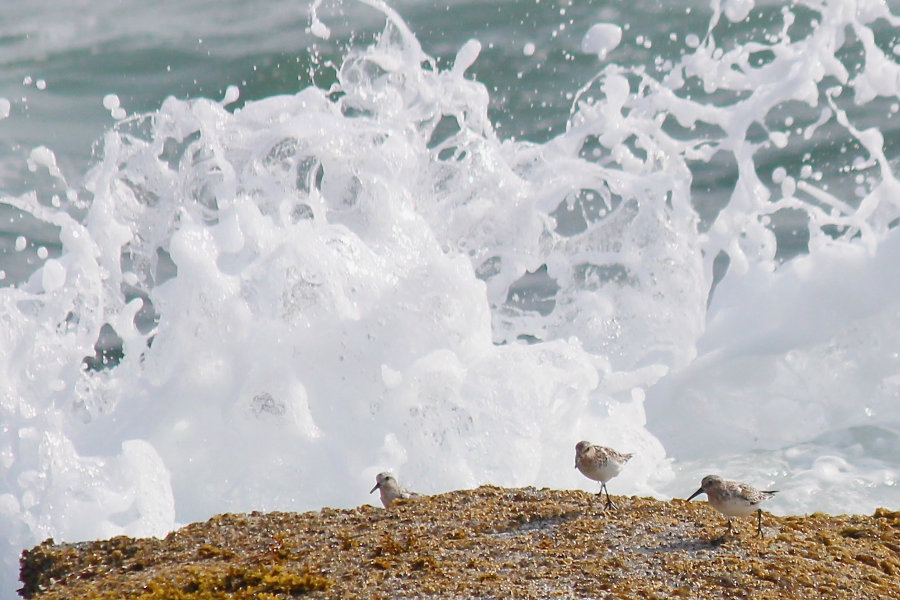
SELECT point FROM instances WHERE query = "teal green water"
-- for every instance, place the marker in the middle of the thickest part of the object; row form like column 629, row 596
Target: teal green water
column 187, row 49
column 58, row 60
column 144, row 53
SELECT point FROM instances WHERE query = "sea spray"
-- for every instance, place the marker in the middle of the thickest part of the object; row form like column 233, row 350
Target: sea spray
column 312, row 288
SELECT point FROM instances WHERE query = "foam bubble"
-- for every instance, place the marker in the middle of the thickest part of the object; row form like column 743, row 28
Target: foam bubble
column 232, row 94
column 466, row 56
column 737, row 10
column 601, row 38
column 319, row 29
column 112, row 103
column 44, row 157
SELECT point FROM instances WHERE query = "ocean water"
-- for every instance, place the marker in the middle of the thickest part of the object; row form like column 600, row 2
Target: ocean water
column 252, row 254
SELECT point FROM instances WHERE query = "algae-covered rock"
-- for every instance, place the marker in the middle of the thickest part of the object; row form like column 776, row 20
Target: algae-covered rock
column 486, row 543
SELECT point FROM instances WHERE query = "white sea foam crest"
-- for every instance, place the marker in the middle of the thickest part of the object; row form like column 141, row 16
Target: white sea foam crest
column 313, row 288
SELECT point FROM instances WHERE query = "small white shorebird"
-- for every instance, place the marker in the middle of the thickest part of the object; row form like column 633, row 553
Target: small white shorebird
column 390, row 489
column 600, row 464
column 734, row 499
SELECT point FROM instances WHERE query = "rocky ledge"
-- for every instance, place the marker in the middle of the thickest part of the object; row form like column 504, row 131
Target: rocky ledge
column 485, row 543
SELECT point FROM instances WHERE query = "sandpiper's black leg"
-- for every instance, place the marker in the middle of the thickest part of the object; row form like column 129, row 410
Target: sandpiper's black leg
column 759, row 522
column 609, row 502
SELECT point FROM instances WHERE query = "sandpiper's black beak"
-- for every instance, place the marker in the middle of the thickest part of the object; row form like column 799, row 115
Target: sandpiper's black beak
column 377, row 485
column 697, row 493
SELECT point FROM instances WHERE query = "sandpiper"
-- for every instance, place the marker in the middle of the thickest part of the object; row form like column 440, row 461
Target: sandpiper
column 390, row 489
column 600, row 464
column 734, row 499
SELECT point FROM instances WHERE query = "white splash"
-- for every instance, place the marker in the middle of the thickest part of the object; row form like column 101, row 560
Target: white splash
column 334, row 283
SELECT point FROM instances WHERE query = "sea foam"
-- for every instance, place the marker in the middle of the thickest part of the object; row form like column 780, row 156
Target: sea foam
column 310, row 289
